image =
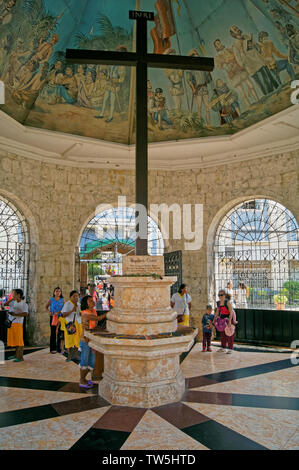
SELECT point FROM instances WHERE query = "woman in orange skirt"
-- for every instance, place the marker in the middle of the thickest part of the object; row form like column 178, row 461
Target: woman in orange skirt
column 18, row 310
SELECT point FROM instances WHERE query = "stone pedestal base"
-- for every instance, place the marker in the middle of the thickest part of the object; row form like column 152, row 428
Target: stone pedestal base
column 142, row 347
column 142, row 373
column 142, row 395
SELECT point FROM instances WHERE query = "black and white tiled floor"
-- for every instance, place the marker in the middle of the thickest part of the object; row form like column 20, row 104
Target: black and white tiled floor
column 247, row 400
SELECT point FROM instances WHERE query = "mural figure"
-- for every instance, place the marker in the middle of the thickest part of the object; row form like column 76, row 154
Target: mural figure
column 25, row 73
column 86, row 86
column 117, row 75
column 48, row 93
column 5, row 10
column 27, row 93
column 225, row 102
column 225, row 59
column 150, row 102
column 159, row 109
column 87, row 90
column 45, row 49
column 198, row 82
column 100, row 88
column 269, row 51
column 16, row 60
column 248, row 55
column 176, row 90
column 67, row 89
column 80, row 79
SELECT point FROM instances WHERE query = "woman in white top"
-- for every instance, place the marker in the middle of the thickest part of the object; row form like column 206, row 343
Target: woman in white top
column 71, row 312
column 18, row 310
column 181, row 303
column 232, row 293
column 242, row 295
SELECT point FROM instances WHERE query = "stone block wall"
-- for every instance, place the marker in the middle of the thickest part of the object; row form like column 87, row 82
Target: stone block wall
column 58, row 201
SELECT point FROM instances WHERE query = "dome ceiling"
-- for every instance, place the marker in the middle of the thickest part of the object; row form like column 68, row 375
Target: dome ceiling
column 255, row 44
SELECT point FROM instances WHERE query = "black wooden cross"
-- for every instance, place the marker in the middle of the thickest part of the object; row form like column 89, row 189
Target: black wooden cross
column 141, row 60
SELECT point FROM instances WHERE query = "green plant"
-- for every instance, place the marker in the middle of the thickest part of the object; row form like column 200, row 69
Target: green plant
column 186, row 121
column 94, row 270
column 293, row 289
column 261, row 293
column 280, row 298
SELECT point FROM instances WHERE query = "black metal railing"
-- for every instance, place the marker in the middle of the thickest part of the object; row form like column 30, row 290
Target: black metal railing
column 267, row 327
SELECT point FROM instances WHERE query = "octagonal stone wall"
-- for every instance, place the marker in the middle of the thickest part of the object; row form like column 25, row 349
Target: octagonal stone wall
column 58, row 200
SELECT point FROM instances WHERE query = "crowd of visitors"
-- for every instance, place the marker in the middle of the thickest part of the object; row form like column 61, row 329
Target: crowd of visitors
column 68, row 318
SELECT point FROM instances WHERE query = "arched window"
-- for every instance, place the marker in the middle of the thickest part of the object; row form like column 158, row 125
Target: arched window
column 14, row 248
column 108, row 237
column 257, row 244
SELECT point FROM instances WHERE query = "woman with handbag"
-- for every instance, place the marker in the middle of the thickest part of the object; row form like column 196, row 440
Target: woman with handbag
column 18, row 310
column 73, row 325
column 181, row 303
column 223, row 322
column 54, row 307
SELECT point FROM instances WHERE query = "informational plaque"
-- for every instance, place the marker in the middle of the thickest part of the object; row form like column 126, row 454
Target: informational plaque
column 143, row 265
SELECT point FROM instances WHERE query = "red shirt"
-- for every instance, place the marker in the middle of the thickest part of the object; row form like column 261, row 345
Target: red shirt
column 223, row 310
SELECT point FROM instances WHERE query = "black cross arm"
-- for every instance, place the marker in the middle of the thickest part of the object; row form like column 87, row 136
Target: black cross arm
column 85, row 56
column 164, row 61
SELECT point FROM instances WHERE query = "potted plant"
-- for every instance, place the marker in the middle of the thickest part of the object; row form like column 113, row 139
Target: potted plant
column 281, row 299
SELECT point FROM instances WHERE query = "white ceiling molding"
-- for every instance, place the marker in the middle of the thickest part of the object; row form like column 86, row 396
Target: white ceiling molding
column 276, row 134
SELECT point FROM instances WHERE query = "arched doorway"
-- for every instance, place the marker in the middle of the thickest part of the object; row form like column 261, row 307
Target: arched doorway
column 108, row 237
column 14, row 248
column 257, row 244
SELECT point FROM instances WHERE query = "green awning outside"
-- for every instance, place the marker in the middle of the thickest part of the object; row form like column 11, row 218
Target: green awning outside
column 102, row 243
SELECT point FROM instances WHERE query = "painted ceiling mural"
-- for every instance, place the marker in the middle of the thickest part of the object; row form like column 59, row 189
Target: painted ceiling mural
column 255, row 44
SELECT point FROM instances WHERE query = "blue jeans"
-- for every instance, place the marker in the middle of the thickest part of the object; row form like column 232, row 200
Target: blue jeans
column 88, row 356
column 164, row 116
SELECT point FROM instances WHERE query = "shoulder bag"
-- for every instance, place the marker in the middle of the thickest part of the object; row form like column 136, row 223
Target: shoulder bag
column 71, row 326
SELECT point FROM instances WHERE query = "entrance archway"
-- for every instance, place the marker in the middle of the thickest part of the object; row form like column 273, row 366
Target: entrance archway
column 14, row 248
column 108, row 237
column 257, row 244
